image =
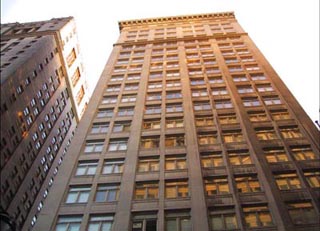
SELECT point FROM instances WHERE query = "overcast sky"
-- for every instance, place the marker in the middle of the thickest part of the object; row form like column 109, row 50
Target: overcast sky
column 286, row 31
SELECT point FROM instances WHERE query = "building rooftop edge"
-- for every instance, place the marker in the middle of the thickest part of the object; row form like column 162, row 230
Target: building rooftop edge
column 169, row 18
column 21, row 23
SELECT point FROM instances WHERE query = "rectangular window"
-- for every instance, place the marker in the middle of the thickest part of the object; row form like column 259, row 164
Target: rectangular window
column 154, row 85
column 109, row 99
column 150, row 142
column 313, row 178
column 247, row 184
column 107, row 193
column 264, row 88
column 86, row 168
column 125, row 111
column 112, row 166
column 173, row 108
column 287, row 181
column 178, row 221
column 223, row 104
column 153, row 109
column 151, row 124
column 240, row 158
column 146, row 190
column 223, row 220
column 75, row 77
column 174, row 140
column 99, row 128
column 302, row 213
column 100, row 223
column 211, row 160
column 219, row 91
column 199, row 93
column 257, row 216
column 257, row 116
column 128, row 98
column 232, row 136
column 80, row 95
column 204, row 121
column 303, row 153
column 71, row 57
column 266, row 134
column 251, row 102
column 257, row 77
column 176, row 189
column 216, row 186
column 207, row 138
column 102, row 113
column 148, row 164
column 173, row 95
column 93, row 147
column 174, row 122
column 154, row 96
column 227, row 118
column 175, row 162
column 78, row 194
column 280, row 115
column 290, row 132
column 144, row 222
column 66, row 223
column 201, row 106
column 173, row 83
column 118, row 145
column 272, row 101
column 121, row 126
column 276, row 155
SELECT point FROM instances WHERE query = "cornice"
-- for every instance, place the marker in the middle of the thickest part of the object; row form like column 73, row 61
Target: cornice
column 146, row 21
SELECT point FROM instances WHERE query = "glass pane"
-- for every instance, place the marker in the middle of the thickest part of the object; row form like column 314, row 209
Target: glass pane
column 61, row 227
column 80, row 171
column 217, row 223
column 170, row 165
column 71, row 198
column 100, row 196
column 185, row 224
column 83, row 197
column 170, row 192
column 151, row 225
column 265, row 219
column 251, row 220
column 93, row 227
column 74, row 227
column 91, row 171
column 231, row 222
column 106, row 226
column 107, row 169
column 112, row 195
column 171, row 225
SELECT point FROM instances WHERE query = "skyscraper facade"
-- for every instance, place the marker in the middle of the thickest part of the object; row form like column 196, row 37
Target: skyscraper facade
column 43, row 96
column 189, row 128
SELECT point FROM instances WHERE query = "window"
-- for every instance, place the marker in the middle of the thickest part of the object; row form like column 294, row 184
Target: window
column 199, row 106
column 117, row 145
column 150, row 142
column 107, row 193
column 146, row 190
column 257, row 77
column 219, row 91
column 287, row 181
column 272, row 101
column 264, row 88
column 239, row 78
column 303, row 153
column 86, row 168
column 176, row 189
column 100, row 223
column 113, row 88
column 175, row 162
column 199, row 93
column 99, row 128
column 290, row 132
column 257, row 116
column 178, row 221
column 207, row 138
column 240, row 158
column 125, row 111
column 222, row 104
column 245, row 89
column 131, row 87
column 148, row 164
column 195, row 82
column 247, row 184
column 93, row 147
column 173, row 83
column 215, row 80
column 78, row 194
column 154, row 96
column 174, row 122
column 116, row 78
column 302, row 213
column 173, row 95
column 174, row 140
column 151, row 124
column 227, row 118
column 216, row 186
column 71, row 57
column 232, row 136
column 109, row 99
column 204, row 121
column 144, row 222
column 153, row 85
column 153, row 109
column 211, row 160
column 251, row 102
column 280, row 115
column 174, row 108
column 257, row 216
column 68, row 223
column 275, row 155
column 313, row 179
column 112, row 166
column 105, row 113
column 121, row 126
column 75, row 77
column 128, row 98
column 223, row 220
column 266, row 134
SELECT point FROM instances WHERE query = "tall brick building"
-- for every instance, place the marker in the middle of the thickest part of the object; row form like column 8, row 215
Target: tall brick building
column 189, row 128
column 43, row 96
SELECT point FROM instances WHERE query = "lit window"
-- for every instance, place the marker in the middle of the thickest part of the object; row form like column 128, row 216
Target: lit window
column 175, row 162
column 290, row 132
column 266, row 134
column 100, row 223
column 303, row 153
column 78, row 194
column 247, row 184
column 86, row 168
column 257, row 216
column 216, row 186
column 121, row 126
column 227, row 118
column 209, row 160
column 148, row 165
column 302, row 213
column 112, row 166
column 146, row 190
column 174, row 122
column 280, row 115
column 313, row 179
column 174, row 140
column 232, row 136
column 176, row 189
column 207, row 138
column 287, row 181
column 240, row 158
column 151, row 124
column 150, row 142
column 276, row 155
column 204, row 121
column 257, row 116
column 178, row 221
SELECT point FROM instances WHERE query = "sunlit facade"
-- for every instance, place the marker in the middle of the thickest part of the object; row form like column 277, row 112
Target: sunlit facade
column 190, row 128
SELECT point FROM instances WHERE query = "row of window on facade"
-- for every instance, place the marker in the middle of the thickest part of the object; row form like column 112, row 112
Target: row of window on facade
column 224, row 218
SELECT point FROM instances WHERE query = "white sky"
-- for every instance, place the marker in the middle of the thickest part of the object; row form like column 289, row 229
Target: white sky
column 286, row 31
